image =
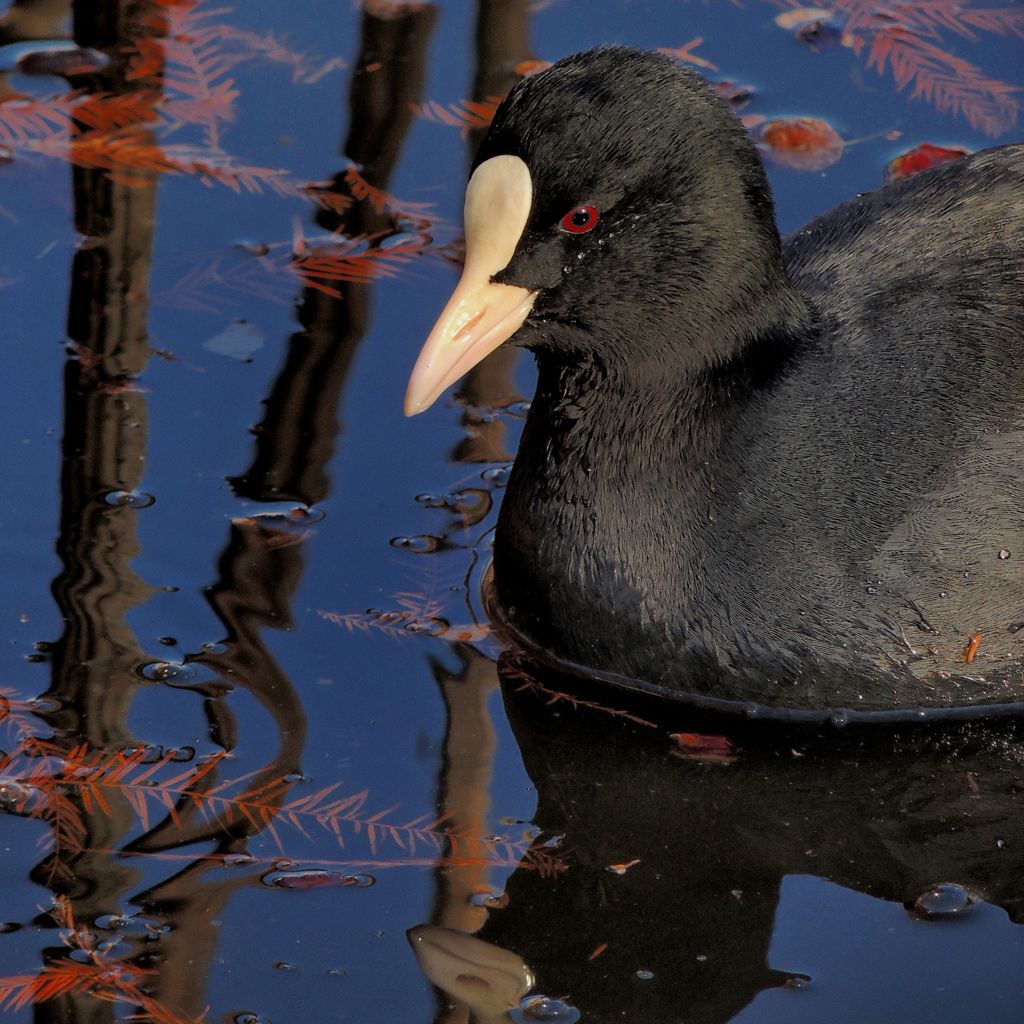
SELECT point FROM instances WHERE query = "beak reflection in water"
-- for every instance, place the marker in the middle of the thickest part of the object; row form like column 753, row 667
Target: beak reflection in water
column 493, row 982
column 490, row 980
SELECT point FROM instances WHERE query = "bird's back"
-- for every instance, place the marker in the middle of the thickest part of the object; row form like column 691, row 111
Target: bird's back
column 870, row 512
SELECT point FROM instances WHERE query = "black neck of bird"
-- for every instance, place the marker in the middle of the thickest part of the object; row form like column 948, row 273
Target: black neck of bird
column 616, row 465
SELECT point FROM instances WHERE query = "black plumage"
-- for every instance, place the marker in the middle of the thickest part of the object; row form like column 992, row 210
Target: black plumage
column 785, row 475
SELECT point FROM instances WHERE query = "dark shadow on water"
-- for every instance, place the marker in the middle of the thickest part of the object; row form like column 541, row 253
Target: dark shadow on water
column 678, row 832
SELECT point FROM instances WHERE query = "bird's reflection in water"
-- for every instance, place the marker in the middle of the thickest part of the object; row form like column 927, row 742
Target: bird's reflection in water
column 674, row 858
column 488, row 979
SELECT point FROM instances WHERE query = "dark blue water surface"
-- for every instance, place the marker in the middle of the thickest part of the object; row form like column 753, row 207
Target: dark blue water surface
column 156, row 345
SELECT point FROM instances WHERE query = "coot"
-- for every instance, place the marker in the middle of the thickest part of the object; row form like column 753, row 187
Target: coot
column 786, row 477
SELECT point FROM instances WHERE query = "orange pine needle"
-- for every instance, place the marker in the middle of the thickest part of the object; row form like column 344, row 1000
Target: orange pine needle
column 684, row 53
column 621, row 869
column 466, row 115
column 972, row 648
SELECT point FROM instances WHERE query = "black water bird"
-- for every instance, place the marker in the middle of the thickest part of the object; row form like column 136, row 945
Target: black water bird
column 786, row 475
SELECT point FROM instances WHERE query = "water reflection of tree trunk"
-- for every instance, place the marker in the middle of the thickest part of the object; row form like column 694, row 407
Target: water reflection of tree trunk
column 464, row 799
column 295, row 440
column 194, row 910
column 464, row 789
column 502, row 43
column 34, row 19
column 261, row 569
column 258, row 577
column 94, row 663
column 103, row 449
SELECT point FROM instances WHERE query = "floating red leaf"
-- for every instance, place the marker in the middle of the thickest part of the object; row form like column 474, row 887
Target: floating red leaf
column 921, row 158
column 800, row 143
column 707, row 749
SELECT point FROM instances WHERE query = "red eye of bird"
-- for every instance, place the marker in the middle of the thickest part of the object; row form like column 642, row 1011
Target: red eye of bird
column 583, row 218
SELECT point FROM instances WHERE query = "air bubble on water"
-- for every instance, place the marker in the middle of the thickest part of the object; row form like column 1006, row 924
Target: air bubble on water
column 336, row 971
column 944, row 901
column 44, row 705
column 535, row 1009
column 110, row 922
column 417, row 238
column 432, row 626
column 307, row 516
column 797, row 981
column 115, row 949
column 497, row 475
column 213, row 648
column 9, row 926
column 247, row 1017
column 421, row 544
column 437, row 500
column 129, row 499
column 283, row 965
column 288, row 520
column 20, row 798
column 236, row 860
column 840, row 718
column 495, row 900
column 168, row 672
column 148, row 754
column 645, row 975
column 315, row 879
